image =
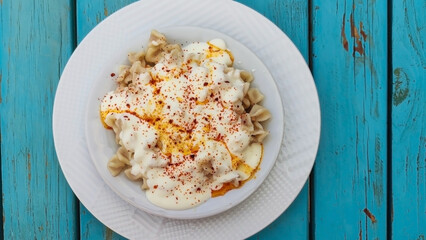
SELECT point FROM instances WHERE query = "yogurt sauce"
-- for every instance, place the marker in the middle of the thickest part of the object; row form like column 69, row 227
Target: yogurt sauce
column 183, row 124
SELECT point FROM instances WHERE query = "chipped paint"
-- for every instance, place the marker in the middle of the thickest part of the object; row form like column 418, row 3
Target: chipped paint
column 370, row 215
column 105, row 12
column 400, row 86
column 355, row 34
column 353, row 27
column 361, row 29
column 108, row 234
column 343, row 34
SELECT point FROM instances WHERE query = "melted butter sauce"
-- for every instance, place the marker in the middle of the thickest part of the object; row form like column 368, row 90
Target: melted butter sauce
column 230, row 186
column 187, row 147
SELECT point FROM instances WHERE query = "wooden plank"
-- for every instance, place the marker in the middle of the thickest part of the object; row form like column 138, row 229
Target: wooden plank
column 349, row 61
column 36, row 41
column 291, row 16
column 92, row 228
column 89, row 14
column 408, row 120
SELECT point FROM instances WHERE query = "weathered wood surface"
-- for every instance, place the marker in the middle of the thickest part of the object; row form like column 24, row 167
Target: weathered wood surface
column 369, row 63
column 36, row 41
column 292, row 17
column 408, row 104
column 349, row 61
column 88, row 15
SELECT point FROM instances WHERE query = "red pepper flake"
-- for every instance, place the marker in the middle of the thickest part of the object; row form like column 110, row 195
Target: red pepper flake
column 112, row 74
column 128, row 105
column 155, row 186
column 205, row 84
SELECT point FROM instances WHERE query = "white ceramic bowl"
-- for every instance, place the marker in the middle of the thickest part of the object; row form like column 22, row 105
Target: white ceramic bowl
column 102, row 146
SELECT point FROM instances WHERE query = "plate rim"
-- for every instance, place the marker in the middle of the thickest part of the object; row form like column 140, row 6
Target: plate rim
column 314, row 149
column 180, row 214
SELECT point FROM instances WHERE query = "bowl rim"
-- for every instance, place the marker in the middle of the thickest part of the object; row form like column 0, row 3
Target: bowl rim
column 198, row 212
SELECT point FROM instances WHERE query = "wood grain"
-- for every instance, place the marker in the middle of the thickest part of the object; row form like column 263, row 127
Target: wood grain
column 88, row 15
column 92, row 228
column 349, row 61
column 36, row 41
column 291, row 16
column 349, row 58
column 408, row 103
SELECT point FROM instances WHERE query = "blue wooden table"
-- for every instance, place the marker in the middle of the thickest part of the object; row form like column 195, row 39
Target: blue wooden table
column 368, row 59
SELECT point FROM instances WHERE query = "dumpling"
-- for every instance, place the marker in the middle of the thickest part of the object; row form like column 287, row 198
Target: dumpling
column 259, row 113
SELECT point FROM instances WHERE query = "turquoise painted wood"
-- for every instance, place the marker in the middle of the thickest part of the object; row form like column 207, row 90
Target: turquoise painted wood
column 36, row 40
column 88, row 15
column 408, row 120
column 292, row 17
column 92, row 228
column 356, row 50
column 349, row 61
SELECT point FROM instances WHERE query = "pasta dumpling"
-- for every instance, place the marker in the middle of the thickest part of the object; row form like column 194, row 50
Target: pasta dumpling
column 259, row 113
column 189, row 125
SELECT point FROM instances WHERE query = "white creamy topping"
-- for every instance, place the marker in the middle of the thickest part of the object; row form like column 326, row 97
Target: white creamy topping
column 181, row 125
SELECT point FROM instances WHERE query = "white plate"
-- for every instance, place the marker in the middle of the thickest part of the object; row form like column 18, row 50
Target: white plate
column 101, row 142
column 275, row 50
